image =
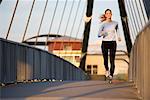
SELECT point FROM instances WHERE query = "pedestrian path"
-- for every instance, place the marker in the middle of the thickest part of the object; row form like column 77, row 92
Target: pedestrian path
column 70, row 90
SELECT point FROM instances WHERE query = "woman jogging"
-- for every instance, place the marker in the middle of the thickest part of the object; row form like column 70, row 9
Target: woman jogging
column 109, row 33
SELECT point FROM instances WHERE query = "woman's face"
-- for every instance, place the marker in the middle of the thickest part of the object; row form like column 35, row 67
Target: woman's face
column 108, row 14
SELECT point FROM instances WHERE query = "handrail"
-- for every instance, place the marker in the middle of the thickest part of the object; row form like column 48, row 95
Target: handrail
column 20, row 62
column 139, row 63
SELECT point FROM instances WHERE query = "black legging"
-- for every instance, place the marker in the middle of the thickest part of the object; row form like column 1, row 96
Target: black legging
column 109, row 45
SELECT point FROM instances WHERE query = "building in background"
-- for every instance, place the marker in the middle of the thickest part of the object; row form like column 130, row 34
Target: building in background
column 95, row 66
column 95, row 63
column 67, row 48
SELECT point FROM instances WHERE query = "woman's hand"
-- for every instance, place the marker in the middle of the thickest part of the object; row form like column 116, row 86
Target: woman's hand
column 101, row 34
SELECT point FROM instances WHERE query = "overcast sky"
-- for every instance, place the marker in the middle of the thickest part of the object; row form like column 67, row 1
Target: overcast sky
column 23, row 9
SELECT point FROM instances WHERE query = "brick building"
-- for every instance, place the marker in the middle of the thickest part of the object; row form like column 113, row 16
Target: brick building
column 67, row 48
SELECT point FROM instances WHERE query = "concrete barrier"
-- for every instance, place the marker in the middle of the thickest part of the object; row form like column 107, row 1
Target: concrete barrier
column 21, row 62
column 139, row 67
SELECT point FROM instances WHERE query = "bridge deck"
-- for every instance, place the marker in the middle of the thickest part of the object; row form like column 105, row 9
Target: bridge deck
column 73, row 90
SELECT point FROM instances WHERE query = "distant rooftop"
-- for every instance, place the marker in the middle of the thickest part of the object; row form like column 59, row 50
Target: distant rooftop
column 65, row 38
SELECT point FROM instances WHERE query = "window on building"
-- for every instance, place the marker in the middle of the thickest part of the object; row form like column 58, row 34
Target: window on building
column 88, row 69
column 67, row 47
column 77, row 58
column 68, row 58
column 94, row 69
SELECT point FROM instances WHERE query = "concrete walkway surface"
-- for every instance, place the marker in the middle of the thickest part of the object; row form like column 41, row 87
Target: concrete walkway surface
column 70, row 90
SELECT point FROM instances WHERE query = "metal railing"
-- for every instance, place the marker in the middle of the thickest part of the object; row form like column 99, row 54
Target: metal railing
column 20, row 62
column 139, row 67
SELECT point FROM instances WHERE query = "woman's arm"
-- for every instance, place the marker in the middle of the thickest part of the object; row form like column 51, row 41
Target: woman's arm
column 101, row 31
column 118, row 33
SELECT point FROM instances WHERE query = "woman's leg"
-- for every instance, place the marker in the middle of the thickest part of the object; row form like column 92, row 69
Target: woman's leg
column 105, row 55
column 112, row 57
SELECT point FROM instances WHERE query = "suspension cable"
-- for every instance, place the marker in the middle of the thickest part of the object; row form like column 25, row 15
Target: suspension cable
column 74, row 22
column 62, row 16
column 41, row 21
column 60, row 22
column 131, row 20
column 79, row 26
column 28, row 20
column 12, row 19
column 50, row 27
column 67, row 25
column 75, row 18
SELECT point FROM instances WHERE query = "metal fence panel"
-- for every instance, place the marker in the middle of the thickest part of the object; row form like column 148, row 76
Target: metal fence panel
column 19, row 62
column 9, row 65
column 64, row 70
column 48, row 67
column 147, row 65
column 67, row 70
column 43, row 65
column 52, row 67
column 139, row 63
column 8, row 62
column 57, row 68
column 71, row 72
column 13, row 63
column 29, row 63
column 37, row 64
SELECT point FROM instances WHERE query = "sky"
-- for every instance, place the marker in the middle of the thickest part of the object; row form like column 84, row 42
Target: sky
column 23, row 9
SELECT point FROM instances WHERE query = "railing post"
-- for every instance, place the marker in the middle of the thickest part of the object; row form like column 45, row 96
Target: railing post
column 139, row 63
